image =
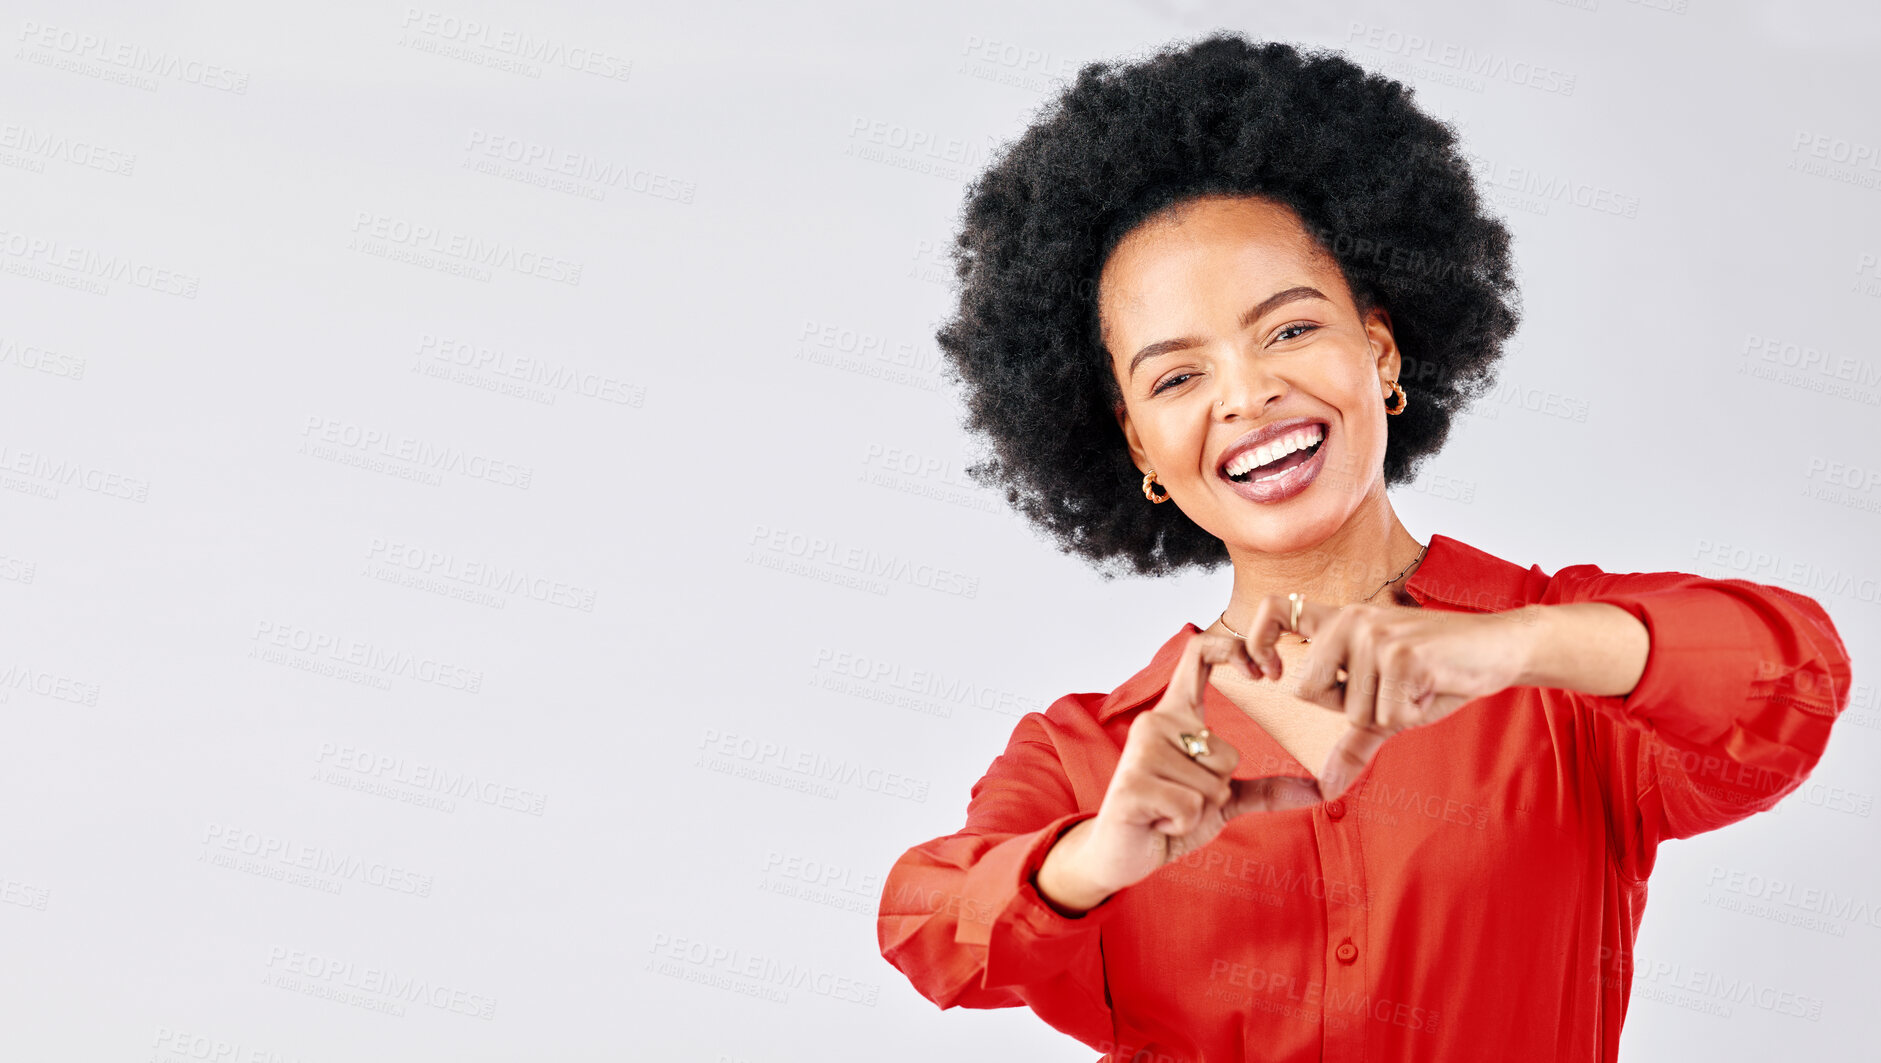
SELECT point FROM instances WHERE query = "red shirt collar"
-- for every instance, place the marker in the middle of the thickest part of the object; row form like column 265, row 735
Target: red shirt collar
column 1454, row 574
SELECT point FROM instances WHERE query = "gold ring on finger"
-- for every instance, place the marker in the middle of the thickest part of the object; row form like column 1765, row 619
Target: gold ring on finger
column 1197, row 744
column 1296, row 604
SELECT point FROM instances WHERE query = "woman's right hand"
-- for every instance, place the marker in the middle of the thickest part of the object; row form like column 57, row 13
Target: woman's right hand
column 1161, row 802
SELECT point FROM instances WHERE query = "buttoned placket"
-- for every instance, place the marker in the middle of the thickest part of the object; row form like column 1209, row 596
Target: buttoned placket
column 1342, row 887
column 1343, row 1014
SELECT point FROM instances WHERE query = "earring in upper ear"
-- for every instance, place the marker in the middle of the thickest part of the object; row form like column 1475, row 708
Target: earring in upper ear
column 1402, row 398
column 1150, row 478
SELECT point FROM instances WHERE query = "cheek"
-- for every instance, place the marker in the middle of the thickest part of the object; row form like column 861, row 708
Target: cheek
column 1176, row 438
column 1367, row 437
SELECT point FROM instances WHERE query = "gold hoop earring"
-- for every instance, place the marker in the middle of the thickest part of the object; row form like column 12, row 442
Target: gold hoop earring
column 1150, row 478
column 1401, row 396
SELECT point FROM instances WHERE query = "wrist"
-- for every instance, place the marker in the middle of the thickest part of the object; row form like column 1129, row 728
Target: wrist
column 1060, row 882
column 1536, row 631
column 1591, row 647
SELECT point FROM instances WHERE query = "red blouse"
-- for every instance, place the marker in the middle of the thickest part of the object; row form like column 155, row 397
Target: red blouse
column 1475, row 895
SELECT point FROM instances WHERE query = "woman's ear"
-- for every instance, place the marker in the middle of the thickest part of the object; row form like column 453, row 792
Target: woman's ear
column 1384, row 344
column 1135, row 445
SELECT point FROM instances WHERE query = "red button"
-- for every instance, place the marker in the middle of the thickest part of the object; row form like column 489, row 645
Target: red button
column 1335, row 809
column 1347, row 952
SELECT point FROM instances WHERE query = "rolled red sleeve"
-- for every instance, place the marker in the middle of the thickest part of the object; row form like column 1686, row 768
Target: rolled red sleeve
column 1741, row 687
column 1022, row 933
column 961, row 915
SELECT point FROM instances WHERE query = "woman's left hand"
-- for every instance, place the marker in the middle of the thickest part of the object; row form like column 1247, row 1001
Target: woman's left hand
column 1389, row 668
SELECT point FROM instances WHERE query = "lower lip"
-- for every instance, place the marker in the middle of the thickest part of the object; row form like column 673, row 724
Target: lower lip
column 1288, row 483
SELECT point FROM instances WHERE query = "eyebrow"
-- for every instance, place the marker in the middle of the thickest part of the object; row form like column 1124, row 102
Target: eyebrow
column 1258, row 311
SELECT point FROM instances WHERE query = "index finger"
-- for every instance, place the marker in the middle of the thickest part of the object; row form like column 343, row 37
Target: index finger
column 1184, row 694
column 1270, row 619
column 1187, row 682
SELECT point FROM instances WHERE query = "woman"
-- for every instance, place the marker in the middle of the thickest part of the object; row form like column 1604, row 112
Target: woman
column 1213, row 303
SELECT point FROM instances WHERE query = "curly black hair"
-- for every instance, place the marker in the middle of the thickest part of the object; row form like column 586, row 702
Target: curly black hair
column 1381, row 186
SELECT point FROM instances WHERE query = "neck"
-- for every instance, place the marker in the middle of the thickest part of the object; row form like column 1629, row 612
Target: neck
column 1355, row 561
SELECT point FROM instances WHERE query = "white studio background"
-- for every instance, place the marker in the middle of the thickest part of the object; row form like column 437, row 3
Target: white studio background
column 315, row 322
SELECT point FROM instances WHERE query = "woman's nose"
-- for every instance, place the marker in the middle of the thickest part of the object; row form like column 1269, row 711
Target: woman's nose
column 1246, row 387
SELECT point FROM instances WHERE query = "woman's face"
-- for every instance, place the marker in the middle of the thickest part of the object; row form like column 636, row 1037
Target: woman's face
column 1227, row 326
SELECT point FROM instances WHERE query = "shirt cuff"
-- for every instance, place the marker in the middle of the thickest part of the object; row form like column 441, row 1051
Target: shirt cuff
column 1001, row 908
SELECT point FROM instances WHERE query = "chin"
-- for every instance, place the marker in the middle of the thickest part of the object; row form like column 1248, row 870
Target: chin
column 1299, row 511
column 1304, row 525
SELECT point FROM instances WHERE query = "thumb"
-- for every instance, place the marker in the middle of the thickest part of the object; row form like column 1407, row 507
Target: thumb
column 1349, row 758
column 1273, row 793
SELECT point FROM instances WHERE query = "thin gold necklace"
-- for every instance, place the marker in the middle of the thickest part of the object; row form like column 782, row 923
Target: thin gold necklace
column 1223, row 618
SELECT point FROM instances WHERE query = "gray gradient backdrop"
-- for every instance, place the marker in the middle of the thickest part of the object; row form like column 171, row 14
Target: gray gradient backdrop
column 453, row 456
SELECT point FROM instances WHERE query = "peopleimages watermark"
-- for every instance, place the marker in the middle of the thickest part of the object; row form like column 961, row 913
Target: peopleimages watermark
column 35, row 146
column 927, row 476
column 1788, row 902
column 525, row 370
column 431, row 247
column 18, row 677
column 821, row 882
column 112, row 59
column 40, row 359
column 269, row 856
column 1731, row 561
column 1313, row 1000
column 925, row 690
column 24, row 894
column 914, row 149
column 370, row 661
column 421, row 775
column 192, row 1046
column 781, row 547
column 422, row 561
column 767, row 977
column 372, row 987
column 428, row 29
column 723, row 751
column 1462, row 58
column 561, row 170
column 1021, row 66
column 330, row 438
column 57, row 261
column 50, row 473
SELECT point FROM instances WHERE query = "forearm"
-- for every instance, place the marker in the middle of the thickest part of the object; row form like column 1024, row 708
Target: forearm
column 1590, row 647
column 1739, row 687
column 1058, row 879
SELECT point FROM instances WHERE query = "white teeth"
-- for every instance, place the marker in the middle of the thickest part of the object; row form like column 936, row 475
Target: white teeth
column 1279, row 448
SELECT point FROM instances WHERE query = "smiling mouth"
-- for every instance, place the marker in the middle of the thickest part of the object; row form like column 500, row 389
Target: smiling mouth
column 1274, row 459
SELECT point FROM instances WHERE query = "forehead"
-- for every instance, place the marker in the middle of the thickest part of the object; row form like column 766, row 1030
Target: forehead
column 1173, row 262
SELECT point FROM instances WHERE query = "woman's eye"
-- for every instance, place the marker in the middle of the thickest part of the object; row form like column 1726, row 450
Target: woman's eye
column 1289, row 332
column 1170, row 383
